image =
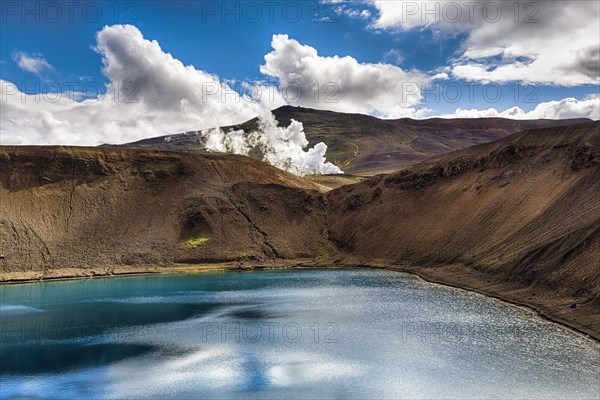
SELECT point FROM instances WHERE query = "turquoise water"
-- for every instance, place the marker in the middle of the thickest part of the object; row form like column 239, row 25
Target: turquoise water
column 282, row 334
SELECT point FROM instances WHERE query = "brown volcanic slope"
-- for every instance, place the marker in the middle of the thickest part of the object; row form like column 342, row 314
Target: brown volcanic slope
column 365, row 145
column 518, row 217
column 67, row 207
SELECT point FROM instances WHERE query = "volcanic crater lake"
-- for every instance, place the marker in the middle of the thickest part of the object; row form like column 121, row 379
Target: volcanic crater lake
column 282, row 334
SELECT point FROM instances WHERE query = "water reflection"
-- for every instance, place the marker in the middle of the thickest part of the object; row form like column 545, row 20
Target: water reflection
column 273, row 334
column 52, row 358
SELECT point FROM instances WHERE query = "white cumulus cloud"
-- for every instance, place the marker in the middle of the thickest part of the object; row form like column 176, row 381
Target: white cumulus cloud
column 34, row 63
column 342, row 83
column 561, row 109
column 541, row 42
column 149, row 93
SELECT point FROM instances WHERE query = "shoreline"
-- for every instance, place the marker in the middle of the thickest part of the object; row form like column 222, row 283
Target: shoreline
column 68, row 274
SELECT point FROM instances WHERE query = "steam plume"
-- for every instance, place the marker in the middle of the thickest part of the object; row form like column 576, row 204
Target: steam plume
column 280, row 147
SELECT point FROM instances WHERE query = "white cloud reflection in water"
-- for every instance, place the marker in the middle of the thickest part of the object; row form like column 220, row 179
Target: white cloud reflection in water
column 393, row 336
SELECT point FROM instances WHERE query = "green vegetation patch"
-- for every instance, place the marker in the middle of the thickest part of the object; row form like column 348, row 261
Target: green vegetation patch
column 195, row 242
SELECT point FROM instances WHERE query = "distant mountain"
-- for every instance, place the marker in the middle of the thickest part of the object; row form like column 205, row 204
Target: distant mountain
column 365, row 145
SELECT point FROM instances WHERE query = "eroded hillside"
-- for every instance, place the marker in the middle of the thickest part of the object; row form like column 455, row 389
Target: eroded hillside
column 88, row 207
column 522, row 213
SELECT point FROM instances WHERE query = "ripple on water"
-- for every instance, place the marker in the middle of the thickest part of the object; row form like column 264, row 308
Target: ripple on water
column 274, row 334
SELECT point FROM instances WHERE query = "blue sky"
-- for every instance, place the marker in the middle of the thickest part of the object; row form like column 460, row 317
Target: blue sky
column 230, row 40
column 230, row 45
